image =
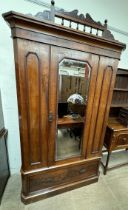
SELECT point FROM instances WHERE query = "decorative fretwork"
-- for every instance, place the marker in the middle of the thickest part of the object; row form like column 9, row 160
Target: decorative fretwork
column 76, row 21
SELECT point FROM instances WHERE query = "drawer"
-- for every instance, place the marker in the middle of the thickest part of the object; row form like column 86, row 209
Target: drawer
column 122, row 139
column 55, row 177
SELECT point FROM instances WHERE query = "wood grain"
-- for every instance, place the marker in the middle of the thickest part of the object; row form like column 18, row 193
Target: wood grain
column 39, row 47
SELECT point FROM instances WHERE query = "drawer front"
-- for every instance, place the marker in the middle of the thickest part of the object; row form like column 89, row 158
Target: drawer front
column 122, row 140
column 63, row 175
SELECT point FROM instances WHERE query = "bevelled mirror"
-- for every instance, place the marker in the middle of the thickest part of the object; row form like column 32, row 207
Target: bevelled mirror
column 73, row 85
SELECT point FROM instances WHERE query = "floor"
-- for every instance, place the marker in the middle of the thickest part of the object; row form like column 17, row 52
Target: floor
column 110, row 193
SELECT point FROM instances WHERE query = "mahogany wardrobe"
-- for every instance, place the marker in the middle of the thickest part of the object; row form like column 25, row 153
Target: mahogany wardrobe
column 65, row 66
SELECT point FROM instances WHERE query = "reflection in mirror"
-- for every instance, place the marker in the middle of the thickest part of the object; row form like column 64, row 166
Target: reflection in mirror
column 73, row 87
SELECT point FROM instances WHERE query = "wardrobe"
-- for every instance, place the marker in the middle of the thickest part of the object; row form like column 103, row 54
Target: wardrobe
column 65, row 66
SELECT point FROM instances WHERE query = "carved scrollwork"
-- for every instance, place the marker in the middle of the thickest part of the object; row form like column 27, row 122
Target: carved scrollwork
column 45, row 15
column 82, row 17
column 108, row 35
column 74, row 16
column 90, row 20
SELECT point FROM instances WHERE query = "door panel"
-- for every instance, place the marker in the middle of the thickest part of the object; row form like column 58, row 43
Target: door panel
column 101, row 105
column 33, row 74
column 58, row 55
column 104, row 93
column 33, row 95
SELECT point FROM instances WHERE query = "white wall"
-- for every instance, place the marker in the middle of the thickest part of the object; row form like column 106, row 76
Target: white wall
column 116, row 13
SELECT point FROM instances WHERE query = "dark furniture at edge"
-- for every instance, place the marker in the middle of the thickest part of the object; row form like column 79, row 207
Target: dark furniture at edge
column 116, row 136
column 4, row 163
column 120, row 93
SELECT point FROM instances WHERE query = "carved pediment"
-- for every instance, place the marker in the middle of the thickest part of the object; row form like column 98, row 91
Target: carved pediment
column 74, row 17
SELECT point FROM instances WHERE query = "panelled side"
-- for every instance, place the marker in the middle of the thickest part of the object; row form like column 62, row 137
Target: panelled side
column 32, row 69
column 101, row 105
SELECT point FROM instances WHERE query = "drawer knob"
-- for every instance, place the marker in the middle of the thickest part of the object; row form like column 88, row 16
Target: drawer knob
column 82, row 170
column 124, row 139
column 49, row 180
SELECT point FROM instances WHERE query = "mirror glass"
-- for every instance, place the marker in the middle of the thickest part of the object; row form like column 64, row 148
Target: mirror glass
column 73, row 85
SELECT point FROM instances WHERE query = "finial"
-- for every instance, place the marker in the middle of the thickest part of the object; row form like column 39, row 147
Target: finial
column 52, row 2
column 105, row 23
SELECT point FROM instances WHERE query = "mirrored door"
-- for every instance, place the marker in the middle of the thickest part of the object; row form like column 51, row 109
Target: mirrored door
column 73, row 86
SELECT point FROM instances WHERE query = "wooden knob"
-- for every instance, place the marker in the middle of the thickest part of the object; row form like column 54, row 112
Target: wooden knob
column 82, row 170
column 53, row 2
column 124, row 139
